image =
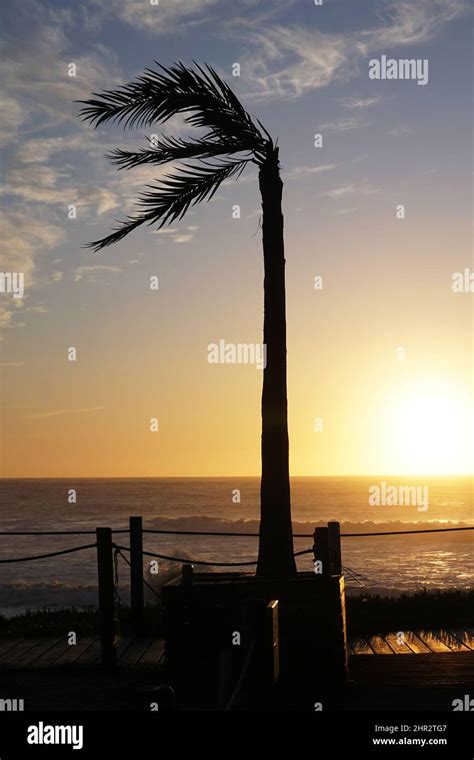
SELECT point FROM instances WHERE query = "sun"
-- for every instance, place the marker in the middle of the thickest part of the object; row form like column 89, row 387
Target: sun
column 429, row 429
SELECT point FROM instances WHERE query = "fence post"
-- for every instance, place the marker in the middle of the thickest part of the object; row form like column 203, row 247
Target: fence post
column 105, row 567
column 321, row 549
column 136, row 573
column 334, row 531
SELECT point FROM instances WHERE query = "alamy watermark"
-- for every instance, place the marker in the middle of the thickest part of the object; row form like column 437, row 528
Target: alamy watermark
column 463, row 282
column 466, row 704
column 12, row 282
column 402, row 68
column 237, row 353
column 12, row 705
column 48, row 734
column 394, row 496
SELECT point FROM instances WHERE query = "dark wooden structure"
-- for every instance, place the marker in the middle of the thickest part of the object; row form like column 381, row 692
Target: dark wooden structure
column 201, row 619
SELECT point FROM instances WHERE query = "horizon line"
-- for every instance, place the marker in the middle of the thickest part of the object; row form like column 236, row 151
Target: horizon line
column 208, row 477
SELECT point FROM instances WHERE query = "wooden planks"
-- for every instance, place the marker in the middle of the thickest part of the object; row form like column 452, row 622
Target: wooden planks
column 433, row 642
column 397, row 643
column 379, row 645
column 415, row 642
column 430, row 670
column 16, row 654
column 154, row 653
column 361, row 646
column 466, row 637
column 135, row 651
column 20, row 654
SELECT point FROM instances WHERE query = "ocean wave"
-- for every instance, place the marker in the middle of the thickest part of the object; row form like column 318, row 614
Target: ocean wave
column 219, row 524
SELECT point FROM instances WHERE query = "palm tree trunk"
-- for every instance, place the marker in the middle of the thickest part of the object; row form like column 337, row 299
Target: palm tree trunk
column 275, row 556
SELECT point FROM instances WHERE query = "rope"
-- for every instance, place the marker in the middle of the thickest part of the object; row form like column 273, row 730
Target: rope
column 117, row 549
column 403, row 532
column 54, row 532
column 189, row 561
column 243, row 673
column 50, row 554
column 358, row 577
column 206, row 533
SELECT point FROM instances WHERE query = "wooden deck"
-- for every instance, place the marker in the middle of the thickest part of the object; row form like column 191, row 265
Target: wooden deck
column 19, row 654
column 415, row 642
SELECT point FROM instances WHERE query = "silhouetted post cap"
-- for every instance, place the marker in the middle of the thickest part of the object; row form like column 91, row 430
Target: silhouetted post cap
column 188, row 573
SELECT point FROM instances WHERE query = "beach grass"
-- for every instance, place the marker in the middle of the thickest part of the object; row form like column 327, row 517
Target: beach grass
column 366, row 614
column 425, row 609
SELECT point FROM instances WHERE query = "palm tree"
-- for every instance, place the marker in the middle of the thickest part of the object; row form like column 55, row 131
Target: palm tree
column 231, row 141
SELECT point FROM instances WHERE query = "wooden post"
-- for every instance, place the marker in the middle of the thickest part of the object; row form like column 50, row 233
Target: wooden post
column 267, row 654
column 187, row 575
column 273, row 635
column 105, row 567
column 334, row 531
column 136, row 573
column 321, row 549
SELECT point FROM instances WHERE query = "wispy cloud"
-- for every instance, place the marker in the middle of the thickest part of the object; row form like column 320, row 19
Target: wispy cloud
column 299, row 172
column 360, row 188
column 290, row 61
column 162, row 18
column 60, row 412
column 358, row 104
column 344, row 125
column 89, row 271
column 398, row 131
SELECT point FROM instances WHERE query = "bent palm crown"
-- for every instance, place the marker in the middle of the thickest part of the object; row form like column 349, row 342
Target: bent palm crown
column 209, row 103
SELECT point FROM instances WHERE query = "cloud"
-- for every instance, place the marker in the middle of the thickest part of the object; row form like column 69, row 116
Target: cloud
column 60, row 412
column 41, row 149
column 398, row 131
column 410, row 21
column 343, row 125
column 360, row 103
column 347, row 210
column 12, row 116
column 290, row 61
column 24, row 238
column 90, row 270
column 306, row 171
column 34, row 67
column 164, row 17
column 36, row 182
column 23, row 235
column 182, row 238
column 359, row 188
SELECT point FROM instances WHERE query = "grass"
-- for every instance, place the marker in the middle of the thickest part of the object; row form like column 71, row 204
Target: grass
column 84, row 622
column 372, row 614
column 425, row 609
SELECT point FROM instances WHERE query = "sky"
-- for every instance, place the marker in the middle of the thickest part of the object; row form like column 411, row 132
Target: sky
column 379, row 358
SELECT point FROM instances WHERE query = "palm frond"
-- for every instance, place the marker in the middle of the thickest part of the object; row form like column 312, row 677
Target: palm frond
column 159, row 94
column 167, row 149
column 169, row 201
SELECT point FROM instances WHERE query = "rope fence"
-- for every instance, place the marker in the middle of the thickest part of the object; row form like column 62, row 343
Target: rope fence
column 221, row 534
column 326, row 550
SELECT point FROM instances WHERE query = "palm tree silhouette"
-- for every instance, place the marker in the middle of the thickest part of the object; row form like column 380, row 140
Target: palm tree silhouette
column 232, row 140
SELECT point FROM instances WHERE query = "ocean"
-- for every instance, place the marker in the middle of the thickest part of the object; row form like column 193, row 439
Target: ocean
column 385, row 564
